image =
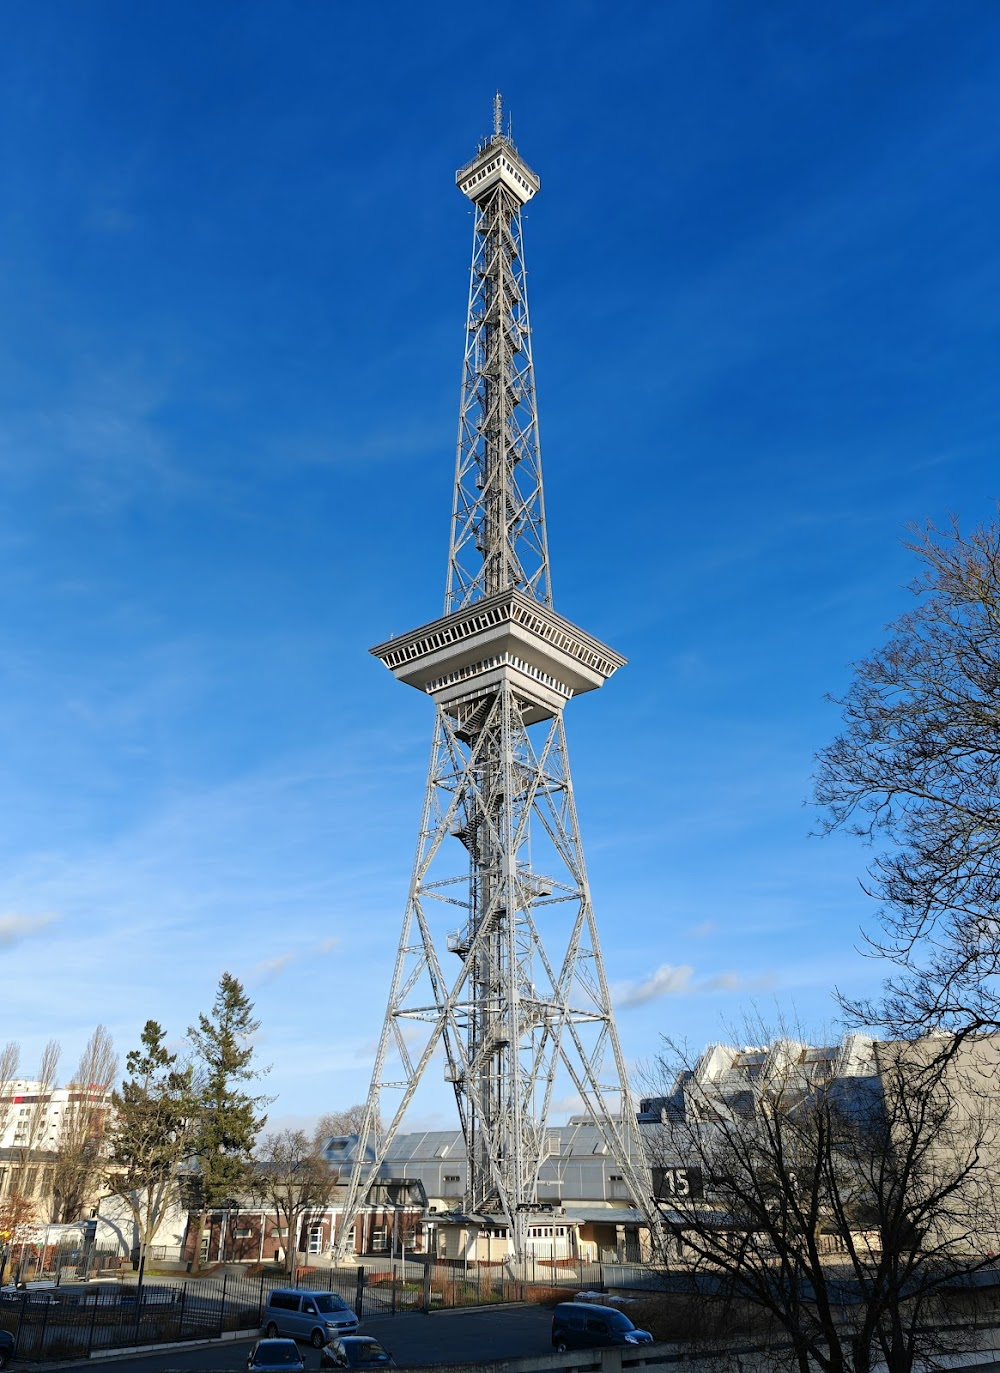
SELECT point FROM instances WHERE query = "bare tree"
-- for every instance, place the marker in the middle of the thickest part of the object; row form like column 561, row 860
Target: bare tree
column 31, row 1130
column 345, row 1122
column 292, row 1177
column 82, row 1128
column 834, row 1215
column 917, row 767
column 17, row 1216
column 10, row 1060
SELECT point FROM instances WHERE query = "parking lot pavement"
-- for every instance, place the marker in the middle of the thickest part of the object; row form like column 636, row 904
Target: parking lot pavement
column 505, row 1332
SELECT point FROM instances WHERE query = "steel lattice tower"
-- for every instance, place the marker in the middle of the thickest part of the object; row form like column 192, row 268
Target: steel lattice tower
column 499, row 853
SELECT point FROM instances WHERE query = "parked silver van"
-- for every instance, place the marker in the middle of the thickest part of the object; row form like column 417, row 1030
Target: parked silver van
column 314, row 1316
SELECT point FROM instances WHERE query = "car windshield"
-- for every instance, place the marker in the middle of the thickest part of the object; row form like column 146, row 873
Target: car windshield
column 329, row 1301
column 270, row 1355
column 618, row 1321
column 365, row 1351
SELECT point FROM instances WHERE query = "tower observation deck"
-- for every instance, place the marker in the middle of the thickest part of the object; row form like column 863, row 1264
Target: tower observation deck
column 522, row 1026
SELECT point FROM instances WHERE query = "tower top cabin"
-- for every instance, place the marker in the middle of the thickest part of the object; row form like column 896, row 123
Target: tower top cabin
column 497, row 161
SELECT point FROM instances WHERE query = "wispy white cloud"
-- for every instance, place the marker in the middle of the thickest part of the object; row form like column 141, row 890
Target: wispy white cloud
column 14, row 928
column 269, row 967
column 679, row 980
column 667, row 980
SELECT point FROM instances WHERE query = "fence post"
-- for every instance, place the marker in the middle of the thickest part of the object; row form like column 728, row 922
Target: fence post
column 222, row 1305
column 45, row 1326
column 260, row 1304
column 427, row 1288
column 180, row 1314
column 359, row 1294
column 393, row 1289
column 20, row 1322
column 93, row 1323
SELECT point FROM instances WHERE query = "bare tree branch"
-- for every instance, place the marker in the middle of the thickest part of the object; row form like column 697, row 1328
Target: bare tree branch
column 916, row 770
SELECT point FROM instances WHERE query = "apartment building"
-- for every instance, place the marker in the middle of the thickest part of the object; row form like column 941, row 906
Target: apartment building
column 36, row 1122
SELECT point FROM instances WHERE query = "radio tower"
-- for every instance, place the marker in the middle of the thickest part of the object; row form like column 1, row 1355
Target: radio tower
column 499, row 858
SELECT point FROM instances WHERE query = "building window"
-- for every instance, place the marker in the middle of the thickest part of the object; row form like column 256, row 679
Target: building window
column 380, row 1239
column 315, row 1239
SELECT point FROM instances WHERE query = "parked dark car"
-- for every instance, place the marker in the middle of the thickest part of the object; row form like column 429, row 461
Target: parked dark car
column 581, row 1325
column 275, row 1356
column 6, row 1348
column 355, row 1351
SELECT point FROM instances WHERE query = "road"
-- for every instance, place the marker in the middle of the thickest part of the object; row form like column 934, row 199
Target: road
column 444, row 1337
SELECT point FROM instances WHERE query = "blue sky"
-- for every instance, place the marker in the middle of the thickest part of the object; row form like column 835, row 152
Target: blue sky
column 233, row 270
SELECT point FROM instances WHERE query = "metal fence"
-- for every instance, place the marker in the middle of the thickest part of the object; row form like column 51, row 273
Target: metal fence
column 74, row 1321
column 29, row 1262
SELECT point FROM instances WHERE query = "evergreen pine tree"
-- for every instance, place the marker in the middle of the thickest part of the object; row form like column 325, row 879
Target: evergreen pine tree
column 228, row 1116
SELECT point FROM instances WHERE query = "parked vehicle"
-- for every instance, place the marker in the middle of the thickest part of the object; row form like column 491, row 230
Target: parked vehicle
column 275, row 1356
column 355, row 1351
column 30, row 1296
column 581, row 1325
column 604, row 1299
column 303, row 1315
column 6, row 1348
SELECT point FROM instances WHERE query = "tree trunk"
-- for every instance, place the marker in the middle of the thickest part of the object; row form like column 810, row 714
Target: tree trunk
column 196, row 1254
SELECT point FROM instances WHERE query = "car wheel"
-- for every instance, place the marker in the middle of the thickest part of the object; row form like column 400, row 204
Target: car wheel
column 4, row 1357
column 318, row 1339
column 271, row 1331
